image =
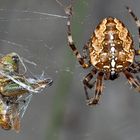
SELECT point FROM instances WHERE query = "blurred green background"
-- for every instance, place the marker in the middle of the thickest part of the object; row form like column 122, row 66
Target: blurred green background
column 60, row 112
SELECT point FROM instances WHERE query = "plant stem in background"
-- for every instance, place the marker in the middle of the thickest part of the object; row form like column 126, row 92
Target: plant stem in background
column 65, row 78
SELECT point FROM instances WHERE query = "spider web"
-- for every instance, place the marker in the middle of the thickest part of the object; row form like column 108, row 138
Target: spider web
column 34, row 33
column 14, row 39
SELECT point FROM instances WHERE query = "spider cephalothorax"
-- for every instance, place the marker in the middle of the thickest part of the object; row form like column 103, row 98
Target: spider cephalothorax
column 109, row 51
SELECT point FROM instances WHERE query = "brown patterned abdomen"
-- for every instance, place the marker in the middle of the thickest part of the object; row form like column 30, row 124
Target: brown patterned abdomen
column 112, row 46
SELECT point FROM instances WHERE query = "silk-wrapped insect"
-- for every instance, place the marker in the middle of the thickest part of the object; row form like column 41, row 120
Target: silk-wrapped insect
column 16, row 91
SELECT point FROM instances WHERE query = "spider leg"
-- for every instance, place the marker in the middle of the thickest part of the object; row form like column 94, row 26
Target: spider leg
column 134, row 68
column 136, row 20
column 86, row 54
column 133, row 81
column 137, row 52
column 71, row 42
column 86, row 81
column 98, row 90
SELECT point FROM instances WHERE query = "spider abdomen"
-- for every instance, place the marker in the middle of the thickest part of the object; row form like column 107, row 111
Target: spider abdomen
column 111, row 46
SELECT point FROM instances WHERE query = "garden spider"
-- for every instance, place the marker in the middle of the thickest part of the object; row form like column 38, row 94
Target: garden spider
column 109, row 52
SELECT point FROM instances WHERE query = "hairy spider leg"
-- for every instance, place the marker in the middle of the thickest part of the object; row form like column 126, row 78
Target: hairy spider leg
column 86, row 81
column 132, row 81
column 98, row 90
column 137, row 21
column 86, row 54
column 134, row 68
column 71, row 42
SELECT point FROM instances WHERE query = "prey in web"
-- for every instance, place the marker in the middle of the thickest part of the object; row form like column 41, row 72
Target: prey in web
column 16, row 91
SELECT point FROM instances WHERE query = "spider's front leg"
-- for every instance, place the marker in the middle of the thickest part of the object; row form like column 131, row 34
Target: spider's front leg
column 98, row 88
column 137, row 21
column 81, row 59
column 135, row 68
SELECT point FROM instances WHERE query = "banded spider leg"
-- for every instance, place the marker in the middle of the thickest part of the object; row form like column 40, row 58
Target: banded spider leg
column 98, row 87
column 81, row 59
column 98, row 90
column 134, row 68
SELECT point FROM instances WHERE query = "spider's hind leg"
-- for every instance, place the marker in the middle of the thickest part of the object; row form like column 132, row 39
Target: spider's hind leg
column 134, row 68
column 86, row 83
column 98, row 89
column 134, row 82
